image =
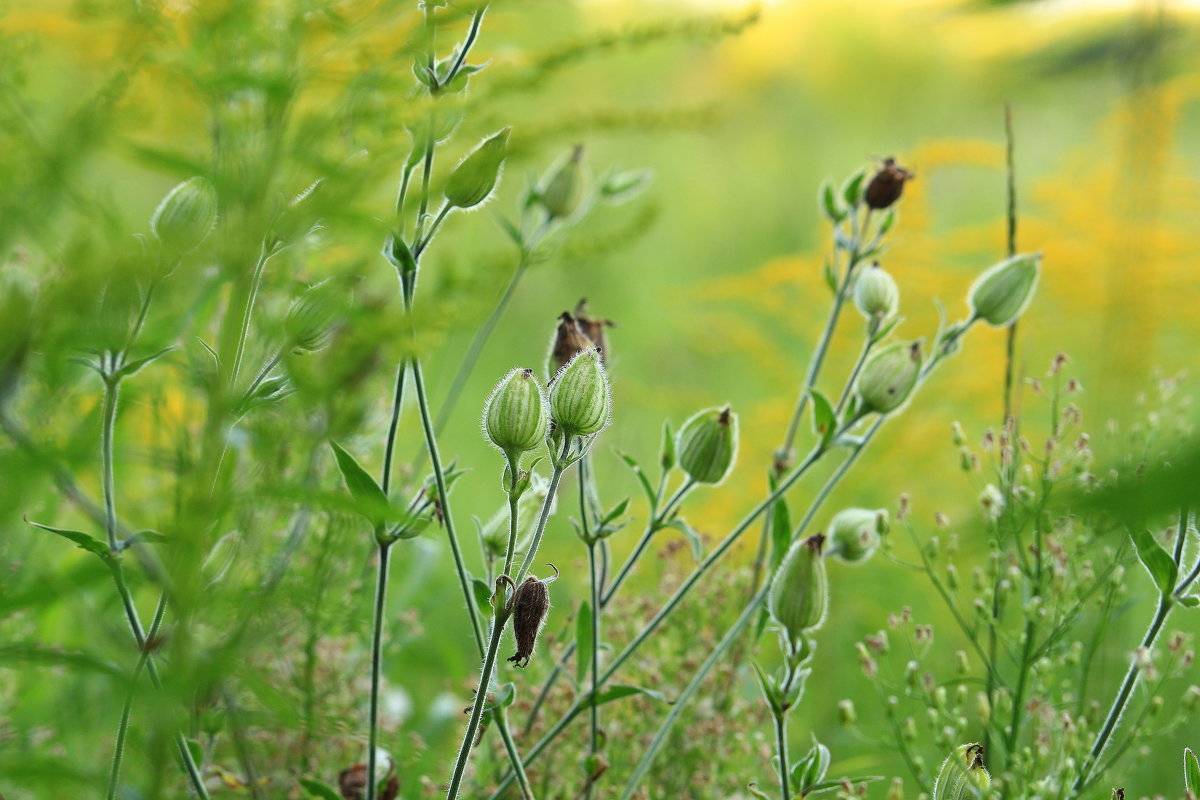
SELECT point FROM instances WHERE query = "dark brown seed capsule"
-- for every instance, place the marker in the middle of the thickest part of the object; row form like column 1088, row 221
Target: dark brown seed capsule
column 529, row 606
column 886, row 185
column 593, row 329
column 569, row 339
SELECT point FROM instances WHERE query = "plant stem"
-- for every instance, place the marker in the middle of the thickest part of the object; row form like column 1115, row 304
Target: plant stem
column 594, row 710
column 1011, row 341
column 485, row 679
column 514, row 757
column 782, row 746
column 376, row 666
column 126, row 709
column 872, row 329
column 390, row 448
column 112, row 391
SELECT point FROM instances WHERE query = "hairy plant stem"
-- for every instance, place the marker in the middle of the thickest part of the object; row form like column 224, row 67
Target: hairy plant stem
column 502, row 613
column 594, row 576
column 376, row 666
column 782, row 746
column 123, row 726
column 514, row 757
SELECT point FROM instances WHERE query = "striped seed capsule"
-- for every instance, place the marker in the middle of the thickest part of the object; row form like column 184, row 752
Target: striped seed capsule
column 580, row 399
column 889, row 377
column 800, row 591
column 514, row 418
column 963, row 776
column 707, row 445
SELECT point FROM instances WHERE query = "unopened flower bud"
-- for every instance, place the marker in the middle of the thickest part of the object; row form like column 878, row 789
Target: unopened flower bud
column 707, row 444
column 1001, row 293
column 886, row 185
column 855, row 533
column 846, row 713
column 963, row 776
column 580, row 398
column 309, row 322
column 476, row 176
column 530, row 603
column 800, row 590
column 876, row 293
column 514, row 418
column 566, row 189
column 888, row 378
column 185, row 216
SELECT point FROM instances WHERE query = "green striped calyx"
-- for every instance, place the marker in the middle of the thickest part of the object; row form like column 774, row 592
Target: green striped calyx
column 799, row 592
column 514, row 417
column 707, row 444
column 580, row 399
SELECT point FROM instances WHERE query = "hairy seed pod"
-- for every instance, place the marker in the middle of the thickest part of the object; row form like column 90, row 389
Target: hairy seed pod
column 962, row 776
column 309, row 322
column 569, row 340
column 1001, row 293
column 888, row 378
column 566, row 189
column 476, row 176
column 580, row 399
column 855, row 533
column 185, row 216
column 529, row 606
column 515, row 416
column 707, row 445
column 876, row 293
column 886, row 185
column 800, row 590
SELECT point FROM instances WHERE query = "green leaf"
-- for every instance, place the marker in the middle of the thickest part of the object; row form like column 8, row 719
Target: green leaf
column 621, row 691
column 398, row 255
column 1162, row 568
column 1189, row 601
column 133, row 367
column 829, row 204
column 144, row 537
column 1191, row 772
column 503, row 697
column 615, row 512
column 830, row 279
column 666, row 457
column 767, row 686
column 641, row 476
column 319, row 789
column 583, row 641
column 825, row 786
column 852, row 189
column 483, row 595
column 692, row 537
column 824, row 418
column 83, row 541
column 369, row 499
column 781, row 526
column 882, row 333
column 511, row 230
column 753, row 789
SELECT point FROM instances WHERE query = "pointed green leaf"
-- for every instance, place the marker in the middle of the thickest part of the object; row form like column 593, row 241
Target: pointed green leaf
column 666, row 458
column 133, row 367
column 824, row 418
column 781, row 527
column 1191, row 772
column 583, row 641
column 319, row 789
column 369, row 498
column 84, row 541
column 621, row 691
column 483, row 595
column 641, row 476
column 1162, row 568
column 692, row 537
column 852, row 189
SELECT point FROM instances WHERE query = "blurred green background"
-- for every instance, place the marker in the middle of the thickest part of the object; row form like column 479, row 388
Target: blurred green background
column 713, row 277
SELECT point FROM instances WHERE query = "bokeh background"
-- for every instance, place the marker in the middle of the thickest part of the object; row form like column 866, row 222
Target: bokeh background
column 713, row 276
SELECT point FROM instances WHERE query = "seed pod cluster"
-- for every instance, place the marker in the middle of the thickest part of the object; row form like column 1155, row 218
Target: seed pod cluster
column 889, row 377
column 580, row 398
column 707, row 445
column 530, row 603
column 962, row 776
column 799, row 593
column 515, row 415
column 886, row 185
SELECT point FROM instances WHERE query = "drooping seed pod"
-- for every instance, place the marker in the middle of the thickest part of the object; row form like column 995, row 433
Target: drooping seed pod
column 185, row 216
column 515, row 415
column 476, row 176
column 1001, row 293
column 569, row 340
column 593, row 328
column 580, row 398
column 888, row 378
column 962, row 776
column 800, row 590
column 886, row 185
column 876, row 293
column 530, row 603
column 707, row 444
column 567, row 188
column 855, row 533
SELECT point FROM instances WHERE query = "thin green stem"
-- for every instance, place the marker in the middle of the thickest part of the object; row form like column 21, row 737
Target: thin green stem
column 536, row 541
column 781, row 744
column 514, row 756
column 485, row 679
column 872, row 329
column 593, row 573
column 376, row 667
column 390, row 448
column 112, row 391
column 123, row 726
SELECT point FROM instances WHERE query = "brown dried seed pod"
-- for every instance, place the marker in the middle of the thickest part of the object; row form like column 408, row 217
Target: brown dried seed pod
column 886, row 185
column 593, row 328
column 569, row 339
column 529, row 606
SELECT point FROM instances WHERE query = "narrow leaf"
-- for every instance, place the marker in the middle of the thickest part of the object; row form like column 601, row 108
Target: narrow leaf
column 319, row 789
column 583, row 641
column 1191, row 772
column 83, row 541
column 133, row 367
column 824, row 418
column 781, row 527
column 1162, row 568
column 621, row 691
column 369, row 498
column 692, row 537
column 641, row 476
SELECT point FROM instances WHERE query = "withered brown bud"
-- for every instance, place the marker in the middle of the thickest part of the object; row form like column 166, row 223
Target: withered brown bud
column 352, row 784
column 529, row 606
column 593, row 329
column 886, row 185
column 569, row 339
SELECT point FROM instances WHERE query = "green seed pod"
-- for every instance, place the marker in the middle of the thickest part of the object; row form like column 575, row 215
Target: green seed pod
column 800, row 590
column 185, row 216
column 876, row 293
column 855, row 533
column 514, row 418
column 567, row 188
column 999, row 295
column 962, row 776
column 580, row 399
column 707, row 445
column 309, row 322
column 476, row 176
column 888, row 378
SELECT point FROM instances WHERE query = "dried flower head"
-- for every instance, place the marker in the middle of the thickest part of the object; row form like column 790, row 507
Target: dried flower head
column 530, row 603
column 886, row 185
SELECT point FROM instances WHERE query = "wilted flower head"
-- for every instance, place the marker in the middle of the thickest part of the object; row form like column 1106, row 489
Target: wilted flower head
column 886, row 185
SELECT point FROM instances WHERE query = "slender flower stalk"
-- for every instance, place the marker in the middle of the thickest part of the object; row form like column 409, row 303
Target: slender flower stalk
column 114, row 774
column 376, row 666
